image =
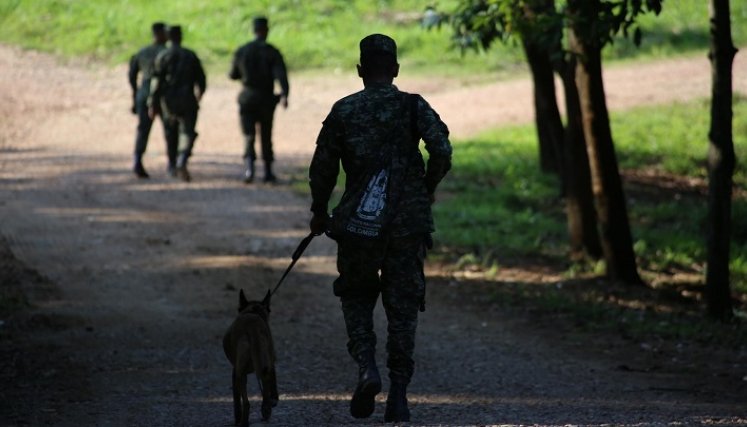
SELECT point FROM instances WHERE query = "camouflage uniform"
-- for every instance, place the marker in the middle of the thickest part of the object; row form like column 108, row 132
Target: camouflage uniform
column 143, row 63
column 258, row 64
column 177, row 71
column 352, row 134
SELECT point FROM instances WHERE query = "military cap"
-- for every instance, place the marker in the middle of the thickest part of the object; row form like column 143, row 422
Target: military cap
column 175, row 30
column 158, row 27
column 378, row 43
column 260, row 23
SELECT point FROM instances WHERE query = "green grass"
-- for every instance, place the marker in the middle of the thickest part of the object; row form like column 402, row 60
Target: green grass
column 319, row 34
column 322, row 34
column 681, row 27
column 496, row 202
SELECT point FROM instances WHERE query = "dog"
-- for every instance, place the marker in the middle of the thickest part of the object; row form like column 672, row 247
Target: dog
column 249, row 347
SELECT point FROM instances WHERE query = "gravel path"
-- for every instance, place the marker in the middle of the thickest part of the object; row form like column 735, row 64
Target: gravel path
column 147, row 271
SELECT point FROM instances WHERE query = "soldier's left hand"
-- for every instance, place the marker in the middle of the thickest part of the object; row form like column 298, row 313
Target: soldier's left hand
column 284, row 101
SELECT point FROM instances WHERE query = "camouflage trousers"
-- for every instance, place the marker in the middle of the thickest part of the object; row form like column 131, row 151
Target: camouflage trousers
column 143, row 131
column 401, row 285
column 251, row 116
column 184, row 134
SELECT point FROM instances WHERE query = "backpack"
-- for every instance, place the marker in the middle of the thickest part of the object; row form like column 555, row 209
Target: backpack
column 370, row 204
column 178, row 95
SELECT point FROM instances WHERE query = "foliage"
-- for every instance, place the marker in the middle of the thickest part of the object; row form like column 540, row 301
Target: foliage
column 496, row 202
column 599, row 21
column 319, row 34
column 481, row 22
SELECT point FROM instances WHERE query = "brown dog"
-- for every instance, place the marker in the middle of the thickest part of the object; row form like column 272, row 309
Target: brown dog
column 248, row 346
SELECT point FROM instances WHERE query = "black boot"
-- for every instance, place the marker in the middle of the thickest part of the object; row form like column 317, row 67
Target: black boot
column 171, row 168
column 249, row 173
column 269, row 176
column 369, row 385
column 396, row 404
column 181, row 168
column 139, row 169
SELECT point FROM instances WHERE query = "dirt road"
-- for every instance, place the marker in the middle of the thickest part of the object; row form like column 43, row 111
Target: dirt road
column 144, row 273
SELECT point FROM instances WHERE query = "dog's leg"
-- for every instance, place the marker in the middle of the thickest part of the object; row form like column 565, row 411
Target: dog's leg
column 244, row 401
column 272, row 384
column 236, row 398
column 266, row 390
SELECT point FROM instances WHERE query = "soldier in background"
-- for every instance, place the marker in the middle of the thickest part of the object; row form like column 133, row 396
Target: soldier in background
column 142, row 63
column 179, row 83
column 258, row 65
column 355, row 133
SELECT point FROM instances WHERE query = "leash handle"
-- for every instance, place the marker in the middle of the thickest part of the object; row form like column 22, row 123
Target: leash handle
column 294, row 258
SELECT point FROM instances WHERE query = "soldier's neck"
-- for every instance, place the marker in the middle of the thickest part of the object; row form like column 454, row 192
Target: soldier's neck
column 377, row 81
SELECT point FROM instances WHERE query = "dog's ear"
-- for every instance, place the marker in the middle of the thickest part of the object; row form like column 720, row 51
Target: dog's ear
column 266, row 301
column 242, row 300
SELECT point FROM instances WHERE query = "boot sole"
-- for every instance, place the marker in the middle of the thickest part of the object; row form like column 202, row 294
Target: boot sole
column 364, row 399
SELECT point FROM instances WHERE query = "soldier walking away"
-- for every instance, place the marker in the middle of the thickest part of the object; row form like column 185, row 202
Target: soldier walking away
column 142, row 63
column 179, row 83
column 258, row 65
column 383, row 223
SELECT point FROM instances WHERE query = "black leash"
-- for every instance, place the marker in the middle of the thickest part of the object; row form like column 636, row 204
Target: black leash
column 296, row 255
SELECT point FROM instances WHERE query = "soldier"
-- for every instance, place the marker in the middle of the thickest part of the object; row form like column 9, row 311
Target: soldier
column 359, row 128
column 258, row 64
column 178, row 72
column 142, row 63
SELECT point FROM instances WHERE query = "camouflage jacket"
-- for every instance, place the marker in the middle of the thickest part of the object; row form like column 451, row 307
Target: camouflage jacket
column 352, row 134
column 143, row 63
column 258, row 64
column 177, row 71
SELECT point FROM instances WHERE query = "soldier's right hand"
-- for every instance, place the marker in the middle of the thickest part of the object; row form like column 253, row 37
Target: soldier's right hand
column 152, row 112
column 318, row 224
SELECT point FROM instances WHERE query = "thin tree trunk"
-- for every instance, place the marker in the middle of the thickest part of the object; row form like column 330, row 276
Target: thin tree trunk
column 612, row 213
column 547, row 116
column 721, row 161
column 579, row 199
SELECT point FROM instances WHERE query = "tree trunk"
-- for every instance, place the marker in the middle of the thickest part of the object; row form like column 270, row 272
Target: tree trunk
column 547, row 117
column 579, row 199
column 612, row 214
column 721, row 162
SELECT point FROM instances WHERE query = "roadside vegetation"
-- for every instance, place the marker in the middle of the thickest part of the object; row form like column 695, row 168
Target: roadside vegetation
column 516, row 211
column 321, row 34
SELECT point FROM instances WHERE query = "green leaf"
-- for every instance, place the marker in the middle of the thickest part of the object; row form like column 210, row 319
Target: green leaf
column 654, row 5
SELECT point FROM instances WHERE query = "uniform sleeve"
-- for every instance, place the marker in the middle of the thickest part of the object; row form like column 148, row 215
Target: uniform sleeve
column 435, row 134
column 156, row 85
column 133, row 71
column 325, row 165
column 200, row 78
column 280, row 73
column 235, row 73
